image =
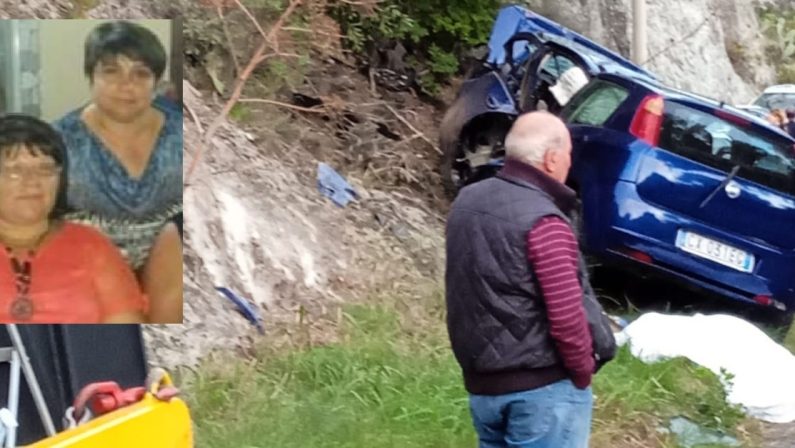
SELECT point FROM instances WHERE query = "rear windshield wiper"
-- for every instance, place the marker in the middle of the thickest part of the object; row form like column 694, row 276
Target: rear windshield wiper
column 722, row 185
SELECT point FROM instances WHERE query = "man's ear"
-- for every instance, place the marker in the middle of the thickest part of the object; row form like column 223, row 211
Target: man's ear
column 551, row 160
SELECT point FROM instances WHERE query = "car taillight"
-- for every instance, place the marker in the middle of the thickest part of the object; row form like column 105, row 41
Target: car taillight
column 763, row 300
column 648, row 119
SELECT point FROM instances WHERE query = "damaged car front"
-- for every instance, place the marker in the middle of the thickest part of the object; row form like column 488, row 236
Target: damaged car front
column 533, row 63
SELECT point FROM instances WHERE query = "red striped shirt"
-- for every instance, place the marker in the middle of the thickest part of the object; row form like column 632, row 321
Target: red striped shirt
column 552, row 250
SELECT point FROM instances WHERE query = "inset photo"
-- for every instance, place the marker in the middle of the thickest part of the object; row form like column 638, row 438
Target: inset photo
column 90, row 172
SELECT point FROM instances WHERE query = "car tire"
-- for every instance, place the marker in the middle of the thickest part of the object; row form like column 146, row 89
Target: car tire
column 450, row 182
column 475, row 133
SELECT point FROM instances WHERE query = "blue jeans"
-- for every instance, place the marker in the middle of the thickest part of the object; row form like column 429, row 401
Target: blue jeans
column 553, row 416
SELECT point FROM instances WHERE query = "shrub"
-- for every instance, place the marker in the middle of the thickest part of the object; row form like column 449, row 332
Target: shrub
column 435, row 32
column 779, row 29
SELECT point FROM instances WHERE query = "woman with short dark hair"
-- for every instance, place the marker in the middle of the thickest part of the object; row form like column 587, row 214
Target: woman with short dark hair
column 125, row 158
column 52, row 271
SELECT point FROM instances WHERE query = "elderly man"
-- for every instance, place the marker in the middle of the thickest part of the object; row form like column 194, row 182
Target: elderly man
column 522, row 318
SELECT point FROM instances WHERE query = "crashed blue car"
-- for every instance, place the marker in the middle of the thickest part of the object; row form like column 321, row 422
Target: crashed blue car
column 671, row 183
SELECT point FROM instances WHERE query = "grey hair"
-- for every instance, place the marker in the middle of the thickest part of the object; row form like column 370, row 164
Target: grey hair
column 531, row 147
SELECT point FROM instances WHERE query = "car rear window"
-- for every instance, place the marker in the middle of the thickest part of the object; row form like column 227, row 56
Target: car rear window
column 762, row 157
column 595, row 104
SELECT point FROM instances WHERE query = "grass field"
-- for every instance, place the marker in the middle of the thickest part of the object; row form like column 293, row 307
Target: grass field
column 393, row 382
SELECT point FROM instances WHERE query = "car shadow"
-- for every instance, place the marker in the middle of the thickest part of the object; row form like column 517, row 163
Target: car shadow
column 629, row 296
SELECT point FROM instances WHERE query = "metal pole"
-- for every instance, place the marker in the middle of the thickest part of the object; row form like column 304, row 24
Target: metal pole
column 639, row 41
column 33, row 383
column 13, row 398
column 15, row 75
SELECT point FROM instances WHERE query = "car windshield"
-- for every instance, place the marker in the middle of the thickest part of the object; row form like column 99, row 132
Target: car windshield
column 777, row 101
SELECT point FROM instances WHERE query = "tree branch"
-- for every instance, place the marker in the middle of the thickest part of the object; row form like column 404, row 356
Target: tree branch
column 252, row 18
column 416, row 132
column 269, row 40
column 280, row 104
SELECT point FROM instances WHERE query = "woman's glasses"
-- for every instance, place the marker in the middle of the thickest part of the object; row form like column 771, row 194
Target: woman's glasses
column 18, row 173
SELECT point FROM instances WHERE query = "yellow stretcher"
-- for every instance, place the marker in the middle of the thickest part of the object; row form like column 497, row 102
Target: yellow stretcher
column 152, row 422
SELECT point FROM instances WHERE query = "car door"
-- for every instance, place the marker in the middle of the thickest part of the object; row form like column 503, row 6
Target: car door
column 552, row 76
column 598, row 152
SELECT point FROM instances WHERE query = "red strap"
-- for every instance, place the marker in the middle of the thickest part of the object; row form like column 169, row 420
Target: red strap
column 105, row 397
column 90, row 391
column 167, row 393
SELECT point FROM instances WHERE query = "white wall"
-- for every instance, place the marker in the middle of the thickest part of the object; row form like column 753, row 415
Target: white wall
column 63, row 84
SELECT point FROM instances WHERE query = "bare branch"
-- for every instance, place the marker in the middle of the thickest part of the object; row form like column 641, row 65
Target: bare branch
column 272, row 55
column 361, row 2
column 410, row 126
column 304, row 30
column 252, row 18
column 194, row 117
column 241, row 81
column 280, row 104
column 220, row 11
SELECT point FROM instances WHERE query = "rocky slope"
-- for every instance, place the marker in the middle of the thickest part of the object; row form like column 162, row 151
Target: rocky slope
column 710, row 47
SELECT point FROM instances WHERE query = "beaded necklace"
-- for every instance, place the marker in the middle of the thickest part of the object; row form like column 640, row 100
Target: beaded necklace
column 22, row 306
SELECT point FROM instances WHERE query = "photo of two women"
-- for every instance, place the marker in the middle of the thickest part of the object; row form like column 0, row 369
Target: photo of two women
column 90, row 172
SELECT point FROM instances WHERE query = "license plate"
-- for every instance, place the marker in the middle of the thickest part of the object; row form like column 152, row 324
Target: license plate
column 715, row 251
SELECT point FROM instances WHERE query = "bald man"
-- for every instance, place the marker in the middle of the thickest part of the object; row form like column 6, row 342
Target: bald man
column 522, row 318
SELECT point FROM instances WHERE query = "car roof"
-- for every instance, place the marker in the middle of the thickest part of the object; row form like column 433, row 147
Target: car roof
column 781, row 88
column 698, row 101
column 515, row 19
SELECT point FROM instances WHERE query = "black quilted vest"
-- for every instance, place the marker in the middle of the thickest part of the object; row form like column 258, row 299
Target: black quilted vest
column 495, row 318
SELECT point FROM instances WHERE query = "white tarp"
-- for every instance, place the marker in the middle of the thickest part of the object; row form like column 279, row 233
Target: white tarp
column 763, row 371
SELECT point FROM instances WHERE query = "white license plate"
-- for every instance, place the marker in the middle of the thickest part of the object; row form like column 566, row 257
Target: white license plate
column 715, row 251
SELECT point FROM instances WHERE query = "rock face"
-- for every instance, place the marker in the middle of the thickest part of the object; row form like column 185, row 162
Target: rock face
column 256, row 224
column 710, row 47
column 39, row 9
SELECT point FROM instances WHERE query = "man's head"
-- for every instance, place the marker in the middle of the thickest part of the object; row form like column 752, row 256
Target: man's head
column 542, row 140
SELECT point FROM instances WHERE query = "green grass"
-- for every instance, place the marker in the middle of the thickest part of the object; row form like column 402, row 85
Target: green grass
column 629, row 390
column 376, row 389
column 393, row 382
column 789, row 339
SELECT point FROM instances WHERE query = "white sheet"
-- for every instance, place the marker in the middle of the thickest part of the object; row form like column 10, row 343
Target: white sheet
column 764, row 371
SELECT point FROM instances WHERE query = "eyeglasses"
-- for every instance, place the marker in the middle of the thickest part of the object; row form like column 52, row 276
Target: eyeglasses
column 17, row 173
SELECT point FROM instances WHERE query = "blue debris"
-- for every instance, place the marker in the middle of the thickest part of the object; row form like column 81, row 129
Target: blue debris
column 334, row 186
column 244, row 307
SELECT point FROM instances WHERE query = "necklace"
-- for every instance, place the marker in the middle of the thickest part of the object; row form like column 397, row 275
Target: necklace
column 22, row 308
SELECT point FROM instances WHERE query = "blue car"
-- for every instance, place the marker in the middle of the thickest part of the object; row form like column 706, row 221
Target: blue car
column 670, row 182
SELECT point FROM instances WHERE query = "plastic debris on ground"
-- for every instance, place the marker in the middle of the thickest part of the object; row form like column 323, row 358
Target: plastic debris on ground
column 762, row 372
column 244, row 307
column 690, row 435
column 332, row 185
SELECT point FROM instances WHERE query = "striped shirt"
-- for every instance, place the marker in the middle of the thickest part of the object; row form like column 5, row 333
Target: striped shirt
column 553, row 252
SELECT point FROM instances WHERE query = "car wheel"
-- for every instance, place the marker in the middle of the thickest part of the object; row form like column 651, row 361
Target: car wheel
column 454, row 174
column 466, row 160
